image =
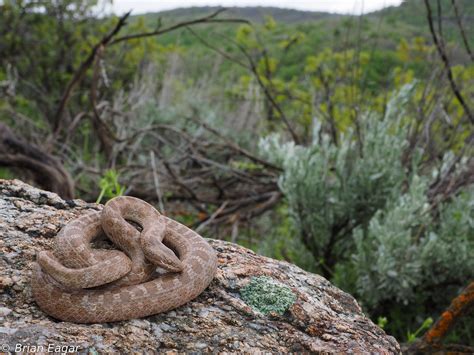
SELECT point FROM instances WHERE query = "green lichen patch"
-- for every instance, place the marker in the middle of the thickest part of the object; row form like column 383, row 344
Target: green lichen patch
column 266, row 295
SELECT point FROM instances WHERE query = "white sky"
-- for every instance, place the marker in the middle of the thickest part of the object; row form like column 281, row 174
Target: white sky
column 339, row 6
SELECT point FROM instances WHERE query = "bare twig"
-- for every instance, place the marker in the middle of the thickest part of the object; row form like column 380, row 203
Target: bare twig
column 237, row 148
column 459, row 306
column 461, row 29
column 268, row 94
column 105, row 134
column 79, row 74
column 218, row 50
column 330, row 104
column 207, row 19
column 444, row 57
column 212, row 217
column 157, row 182
column 46, row 169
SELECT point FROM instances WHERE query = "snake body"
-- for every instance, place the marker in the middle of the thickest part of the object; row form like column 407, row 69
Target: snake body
column 78, row 283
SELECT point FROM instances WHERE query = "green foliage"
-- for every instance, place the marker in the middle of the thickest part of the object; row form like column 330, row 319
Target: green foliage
column 267, row 295
column 366, row 218
column 110, row 186
column 411, row 337
column 57, row 41
column 6, row 173
column 449, row 247
column 331, row 189
column 382, row 322
column 387, row 257
column 406, row 253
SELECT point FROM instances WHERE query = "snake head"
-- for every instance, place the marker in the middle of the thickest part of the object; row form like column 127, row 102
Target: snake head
column 164, row 257
column 151, row 240
column 168, row 260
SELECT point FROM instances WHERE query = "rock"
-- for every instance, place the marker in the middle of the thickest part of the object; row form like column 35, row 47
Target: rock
column 4, row 311
column 5, row 282
column 321, row 318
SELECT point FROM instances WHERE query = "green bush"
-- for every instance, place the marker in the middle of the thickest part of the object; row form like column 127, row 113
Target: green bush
column 332, row 188
column 406, row 254
column 366, row 218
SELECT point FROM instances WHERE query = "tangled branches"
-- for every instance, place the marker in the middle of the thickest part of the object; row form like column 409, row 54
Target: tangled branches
column 195, row 165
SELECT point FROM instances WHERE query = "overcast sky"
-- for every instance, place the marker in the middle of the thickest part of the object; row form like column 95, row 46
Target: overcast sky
column 339, row 6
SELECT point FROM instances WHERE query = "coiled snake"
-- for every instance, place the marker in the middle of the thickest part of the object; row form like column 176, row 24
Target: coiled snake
column 81, row 284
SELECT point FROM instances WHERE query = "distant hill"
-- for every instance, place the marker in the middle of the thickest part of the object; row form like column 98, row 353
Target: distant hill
column 390, row 24
column 411, row 13
column 254, row 14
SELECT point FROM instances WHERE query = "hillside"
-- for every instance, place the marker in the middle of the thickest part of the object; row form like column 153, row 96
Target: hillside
column 381, row 33
column 413, row 13
column 392, row 23
column 254, row 14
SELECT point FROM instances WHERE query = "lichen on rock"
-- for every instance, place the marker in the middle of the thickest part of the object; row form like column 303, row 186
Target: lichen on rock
column 267, row 295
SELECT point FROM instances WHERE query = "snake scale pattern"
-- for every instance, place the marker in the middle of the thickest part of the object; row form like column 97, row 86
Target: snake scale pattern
column 158, row 268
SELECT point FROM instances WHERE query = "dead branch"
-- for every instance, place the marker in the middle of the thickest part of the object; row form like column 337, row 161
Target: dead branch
column 79, row 74
column 460, row 306
column 447, row 185
column 212, row 217
column 330, row 104
column 156, row 181
column 47, row 171
column 207, row 19
column 198, row 168
column 104, row 133
column 235, row 147
column 462, row 30
column 438, row 41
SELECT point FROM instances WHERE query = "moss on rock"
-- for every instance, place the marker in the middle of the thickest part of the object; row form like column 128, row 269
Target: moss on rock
column 266, row 295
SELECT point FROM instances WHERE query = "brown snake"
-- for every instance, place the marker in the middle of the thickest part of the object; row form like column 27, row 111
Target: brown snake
column 78, row 283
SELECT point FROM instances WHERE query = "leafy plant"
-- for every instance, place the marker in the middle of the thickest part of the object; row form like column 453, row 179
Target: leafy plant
column 110, row 186
column 366, row 217
column 411, row 337
column 331, row 189
column 382, row 322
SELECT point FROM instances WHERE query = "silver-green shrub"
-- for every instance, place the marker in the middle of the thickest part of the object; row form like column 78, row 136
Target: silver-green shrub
column 366, row 218
column 410, row 251
column 332, row 188
column 387, row 259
